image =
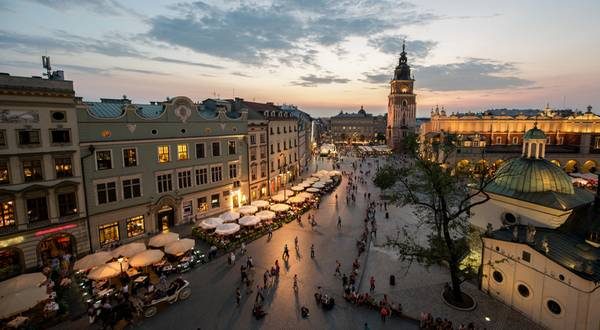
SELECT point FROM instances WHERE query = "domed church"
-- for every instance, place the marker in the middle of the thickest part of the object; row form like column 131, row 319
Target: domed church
column 541, row 247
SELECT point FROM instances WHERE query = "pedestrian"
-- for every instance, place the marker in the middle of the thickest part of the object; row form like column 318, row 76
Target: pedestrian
column 259, row 295
column 266, row 278
column 238, row 296
column 312, row 250
column 372, row 284
column 286, row 252
column 250, row 262
column 339, row 222
column 243, row 248
column 337, row 268
column 344, row 280
column 270, row 233
column 296, row 242
column 231, row 258
column 295, row 282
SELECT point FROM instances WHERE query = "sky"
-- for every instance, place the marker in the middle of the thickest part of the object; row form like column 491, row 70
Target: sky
column 322, row 55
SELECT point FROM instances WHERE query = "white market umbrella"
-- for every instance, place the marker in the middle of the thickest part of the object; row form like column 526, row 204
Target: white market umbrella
column 334, row 173
column 146, row 258
column 324, row 180
column 278, row 198
column 248, row 209
column 319, row 185
column 313, row 179
column 297, row 188
column 210, row 223
column 286, row 192
column 163, row 239
column 305, row 184
column 129, row 250
column 21, row 301
column 93, row 260
column 296, row 200
column 109, row 270
column 249, row 220
column 260, row 203
column 227, row 229
column 180, row 247
column 229, row 216
column 280, row 207
column 315, row 175
column 305, row 195
column 21, row 282
column 312, row 190
column 265, row 215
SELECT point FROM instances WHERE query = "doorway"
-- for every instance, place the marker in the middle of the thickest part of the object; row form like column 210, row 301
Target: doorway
column 166, row 218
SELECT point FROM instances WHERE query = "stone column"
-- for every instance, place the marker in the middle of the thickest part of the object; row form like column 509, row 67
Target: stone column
column 20, row 212
column 543, row 153
column 529, row 149
column 52, row 206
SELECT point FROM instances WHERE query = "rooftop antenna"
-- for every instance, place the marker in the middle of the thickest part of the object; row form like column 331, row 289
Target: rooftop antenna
column 46, row 65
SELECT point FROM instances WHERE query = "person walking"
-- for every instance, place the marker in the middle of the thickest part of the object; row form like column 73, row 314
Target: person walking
column 238, row 296
column 270, row 233
column 339, row 222
column 231, row 258
column 296, row 283
column 243, row 248
column 286, row 252
column 312, row 250
column 266, row 278
column 372, row 281
column 337, row 268
column 296, row 243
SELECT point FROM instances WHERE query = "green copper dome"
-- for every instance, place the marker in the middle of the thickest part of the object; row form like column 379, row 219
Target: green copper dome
column 534, row 133
column 532, row 175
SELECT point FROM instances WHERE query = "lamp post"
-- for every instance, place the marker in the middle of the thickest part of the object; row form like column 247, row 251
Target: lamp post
column 120, row 260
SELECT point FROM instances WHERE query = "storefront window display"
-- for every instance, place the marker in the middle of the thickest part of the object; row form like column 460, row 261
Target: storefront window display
column 52, row 250
column 7, row 213
column 135, row 226
column 108, row 233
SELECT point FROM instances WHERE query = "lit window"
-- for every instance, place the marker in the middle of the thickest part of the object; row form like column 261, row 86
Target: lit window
column 202, row 204
column 215, row 201
column 108, row 233
column 103, row 160
column 63, row 167
column 32, row 170
column 132, row 188
column 163, row 154
column 135, row 226
column 182, row 152
column 7, row 213
column 130, row 157
column 4, row 173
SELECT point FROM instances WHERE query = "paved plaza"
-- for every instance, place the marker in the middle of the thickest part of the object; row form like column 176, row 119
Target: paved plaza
column 212, row 304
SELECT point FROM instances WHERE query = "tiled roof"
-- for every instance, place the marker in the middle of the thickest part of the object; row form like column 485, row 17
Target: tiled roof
column 565, row 248
column 261, row 106
column 115, row 109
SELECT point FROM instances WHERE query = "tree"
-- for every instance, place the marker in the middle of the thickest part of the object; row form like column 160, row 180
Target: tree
column 442, row 199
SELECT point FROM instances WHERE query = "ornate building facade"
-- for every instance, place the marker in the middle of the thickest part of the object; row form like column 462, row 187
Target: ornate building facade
column 573, row 138
column 149, row 167
column 356, row 127
column 42, row 203
column 541, row 248
column 402, row 104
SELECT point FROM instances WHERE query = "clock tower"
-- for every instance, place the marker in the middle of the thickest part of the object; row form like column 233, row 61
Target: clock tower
column 402, row 105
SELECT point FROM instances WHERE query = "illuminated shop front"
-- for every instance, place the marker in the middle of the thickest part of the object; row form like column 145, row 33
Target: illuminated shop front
column 56, row 247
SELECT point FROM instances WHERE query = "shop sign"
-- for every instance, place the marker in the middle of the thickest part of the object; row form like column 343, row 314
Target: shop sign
column 55, row 229
column 11, row 241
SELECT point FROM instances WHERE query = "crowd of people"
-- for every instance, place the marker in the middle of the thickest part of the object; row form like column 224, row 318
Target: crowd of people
column 428, row 322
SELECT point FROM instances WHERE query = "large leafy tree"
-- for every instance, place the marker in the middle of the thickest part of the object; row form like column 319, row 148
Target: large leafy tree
column 442, row 199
